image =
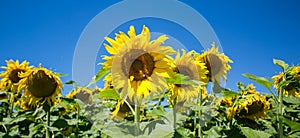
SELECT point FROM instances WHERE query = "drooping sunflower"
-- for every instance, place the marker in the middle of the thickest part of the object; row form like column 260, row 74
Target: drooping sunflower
column 293, row 75
column 10, row 77
column 82, row 93
column 251, row 105
column 187, row 66
column 139, row 68
column 40, row 85
column 121, row 111
column 217, row 63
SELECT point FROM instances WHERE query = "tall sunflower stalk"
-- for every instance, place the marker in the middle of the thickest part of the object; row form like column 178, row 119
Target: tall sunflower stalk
column 137, row 117
column 199, row 115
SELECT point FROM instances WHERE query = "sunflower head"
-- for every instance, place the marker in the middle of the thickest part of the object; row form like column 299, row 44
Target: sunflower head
column 82, row 93
column 121, row 111
column 187, row 66
column 293, row 75
column 217, row 63
column 40, row 85
column 251, row 105
column 138, row 65
column 11, row 75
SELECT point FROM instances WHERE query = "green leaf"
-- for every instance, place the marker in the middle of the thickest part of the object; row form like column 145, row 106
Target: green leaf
column 4, row 101
column 182, row 132
column 251, row 133
column 261, row 80
column 281, row 64
column 228, row 93
column 109, row 94
column 182, row 79
column 158, row 112
column 291, row 99
column 70, row 82
column 68, row 100
column 60, row 74
column 213, row 132
column 60, row 123
column 101, row 73
column 293, row 125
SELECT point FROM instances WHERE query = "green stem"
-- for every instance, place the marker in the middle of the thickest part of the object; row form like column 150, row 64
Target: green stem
column 174, row 113
column 12, row 105
column 137, row 117
column 77, row 119
column 199, row 115
column 48, row 124
column 280, row 113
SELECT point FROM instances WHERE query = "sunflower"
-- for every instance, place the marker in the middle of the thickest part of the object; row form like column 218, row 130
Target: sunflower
column 10, row 77
column 40, row 85
column 23, row 104
column 96, row 90
column 139, row 67
column 82, row 93
column 108, row 82
column 187, row 66
column 121, row 111
column 293, row 75
column 217, row 63
column 251, row 105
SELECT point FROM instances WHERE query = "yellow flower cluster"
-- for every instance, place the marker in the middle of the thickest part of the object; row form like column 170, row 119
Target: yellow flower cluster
column 38, row 84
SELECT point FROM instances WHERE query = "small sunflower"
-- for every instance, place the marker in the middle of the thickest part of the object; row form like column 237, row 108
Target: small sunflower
column 251, row 105
column 139, row 67
column 187, row 66
column 121, row 111
column 217, row 63
column 108, row 82
column 40, row 85
column 10, row 77
column 293, row 75
column 82, row 93
column 23, row 103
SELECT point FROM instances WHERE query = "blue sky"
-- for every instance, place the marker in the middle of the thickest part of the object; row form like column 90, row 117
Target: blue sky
column 252, row 33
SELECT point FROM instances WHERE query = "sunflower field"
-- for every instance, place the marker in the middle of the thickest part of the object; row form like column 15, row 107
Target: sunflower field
column 150, row 90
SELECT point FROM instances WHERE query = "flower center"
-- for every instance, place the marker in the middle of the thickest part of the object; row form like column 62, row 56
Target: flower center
column 140, row 68
column 41, row 85
column 254, row 108
column 14, row 77
column 213, row 64
column 83, row 96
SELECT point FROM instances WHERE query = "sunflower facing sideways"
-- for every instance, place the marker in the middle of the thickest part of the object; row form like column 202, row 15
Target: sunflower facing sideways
column 292, row 74
column 251, row 105
column 11, row 77
column 40, row 85
column 187, row 66
column 82, row 93
column 138, row 66
column 216, row 63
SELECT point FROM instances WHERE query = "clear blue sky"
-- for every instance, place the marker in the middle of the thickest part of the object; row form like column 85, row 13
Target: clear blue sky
column 252, row 33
